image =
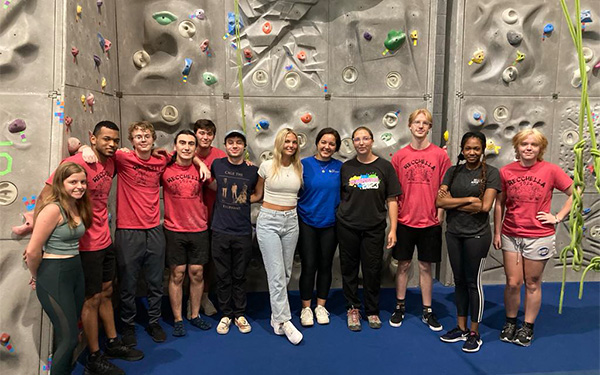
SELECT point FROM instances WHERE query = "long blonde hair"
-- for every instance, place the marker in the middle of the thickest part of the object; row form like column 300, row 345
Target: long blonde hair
column 537, row 135
column 59, row 194
column 278, row 153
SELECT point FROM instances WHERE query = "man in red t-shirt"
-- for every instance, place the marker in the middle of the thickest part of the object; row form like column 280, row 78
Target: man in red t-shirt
column 420, row 167
column 97, row 253
column 186, row 230
column 206, row 131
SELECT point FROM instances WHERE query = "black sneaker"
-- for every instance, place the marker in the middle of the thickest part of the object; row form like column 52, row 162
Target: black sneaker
column 455, row 335
column 524, row 336
column 509, row 332
column 398, row 316
column 179, row 329
column 117, row 349
column 198, row 322
column 100, row 366
column 431, row 320
column 156, row 332
column 128, row 337
column 473, row 343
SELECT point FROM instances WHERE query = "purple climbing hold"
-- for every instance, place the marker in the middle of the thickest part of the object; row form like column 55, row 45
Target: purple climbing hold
column 99, row 3
column 97, row 60
column 18, row 125
column 367, row 35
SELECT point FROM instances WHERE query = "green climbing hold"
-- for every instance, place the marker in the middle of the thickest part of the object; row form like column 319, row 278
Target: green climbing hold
column 209, row 78
column 395, row 39
column 164, row 18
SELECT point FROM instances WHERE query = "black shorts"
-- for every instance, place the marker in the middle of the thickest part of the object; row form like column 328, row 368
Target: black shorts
column 428, row 241
column 98, row 267
column 187, row 247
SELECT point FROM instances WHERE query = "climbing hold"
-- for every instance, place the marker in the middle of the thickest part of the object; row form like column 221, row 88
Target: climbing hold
column 394, row 40
column 478, row 117
column 597, row 66
column 82, row 98
column 510, row 74
column 301, row 56
column 169, row 114
column 198, row 14
column 73, row 145
column 260, row 78
column 491, row 147
column 446, row 136
column 576, row 80
column 267, row 28
column 107, row 45
column 520, row 56
column 74, row 52
column 187, row 29
column 97, row 61
column 141, row 59
column 25, row 228
column 349, row 74
column 99, row 3
column 101, row 41
column 514, row 38
column 390, row 119
column 248, row 53
column 68, row 122
column 478, row 57
column 205, row 47
column 90, row 100
column 231, row 23
column 501, row 113
column 414, row 35
column 291, row 79
column 510, row 16
column 586, row 16
column 548, row 28
column 5, row 341
column 78, row 12
column 288, row 67
column 266, row 155
column 367, row 35
column 587, row 210
column 588, row 54
column 186, row 69
column 306, row 118
column 388, row 139
column 209, row 78
column 103, row 84
column 164, row 18
column 393, row 80
column 17, row 125
column 262, row 125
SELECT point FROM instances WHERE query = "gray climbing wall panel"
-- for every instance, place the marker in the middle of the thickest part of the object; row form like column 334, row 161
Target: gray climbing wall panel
column 525, row 78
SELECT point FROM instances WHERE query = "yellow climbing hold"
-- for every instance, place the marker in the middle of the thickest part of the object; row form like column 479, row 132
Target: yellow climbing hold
column 492, row 147
column 478, row 57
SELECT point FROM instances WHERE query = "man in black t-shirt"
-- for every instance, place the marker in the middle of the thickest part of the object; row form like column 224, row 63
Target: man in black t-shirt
column 234, row 182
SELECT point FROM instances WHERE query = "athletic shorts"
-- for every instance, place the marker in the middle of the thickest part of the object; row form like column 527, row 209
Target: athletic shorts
column 98, row 267
column 427, row 240
column 187, row 247
column 540, row 248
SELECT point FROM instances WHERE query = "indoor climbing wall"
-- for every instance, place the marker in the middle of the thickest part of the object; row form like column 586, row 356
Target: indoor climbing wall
column 516, row 68
column 28, row 134
column 305, row 64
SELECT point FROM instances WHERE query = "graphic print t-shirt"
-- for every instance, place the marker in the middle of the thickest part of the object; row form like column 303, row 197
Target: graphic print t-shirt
column 210, row 195
column 99, row 181
column 182, row 193
column 365, row 189
column 138, row 190
column 235, row 185
column 528, row 191
column 466, row 184
column 420, row 173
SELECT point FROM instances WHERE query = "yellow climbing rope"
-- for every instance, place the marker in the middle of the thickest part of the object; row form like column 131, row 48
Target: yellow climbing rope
column 576, row 214
column 239, row 68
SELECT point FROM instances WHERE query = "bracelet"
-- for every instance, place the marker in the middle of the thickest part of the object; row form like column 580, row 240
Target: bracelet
column 556, row 218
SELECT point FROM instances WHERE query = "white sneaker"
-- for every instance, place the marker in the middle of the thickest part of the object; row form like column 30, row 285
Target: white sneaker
column 293, row 335
column 306, row 317
column 277, row 327
column 223, row 326
column 322, row 314
column 243, row 324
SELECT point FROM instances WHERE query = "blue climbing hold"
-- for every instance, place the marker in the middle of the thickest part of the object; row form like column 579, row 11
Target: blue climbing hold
column 231, row 23
column 548, row 28
column 187, row 67
column 586, row 16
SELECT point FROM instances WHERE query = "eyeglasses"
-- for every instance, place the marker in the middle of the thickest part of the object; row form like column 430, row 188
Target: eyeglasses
column 140, row 137
column 364, row 139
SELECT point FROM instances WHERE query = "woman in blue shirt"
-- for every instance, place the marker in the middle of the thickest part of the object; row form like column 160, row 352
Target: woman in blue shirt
column 317, row 203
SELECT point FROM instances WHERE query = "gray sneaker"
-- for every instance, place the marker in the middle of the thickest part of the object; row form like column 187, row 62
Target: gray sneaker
column 354, row 320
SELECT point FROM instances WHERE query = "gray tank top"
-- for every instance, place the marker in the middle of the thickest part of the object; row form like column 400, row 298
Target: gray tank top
column 64, row 240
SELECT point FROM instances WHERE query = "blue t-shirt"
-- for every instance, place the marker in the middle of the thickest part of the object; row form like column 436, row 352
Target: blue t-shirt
column 235, row 184
column 320, row 194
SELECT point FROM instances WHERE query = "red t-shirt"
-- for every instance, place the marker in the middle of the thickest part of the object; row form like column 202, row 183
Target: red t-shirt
column 528, row 191
column 138, row 190
column 210, row 196
column 182, row 194
column 420, row 173
column 99, row 180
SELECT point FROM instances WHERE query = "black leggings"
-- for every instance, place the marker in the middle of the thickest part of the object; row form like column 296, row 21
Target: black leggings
column 467, row 258
column 60, row 288
column 317, row 248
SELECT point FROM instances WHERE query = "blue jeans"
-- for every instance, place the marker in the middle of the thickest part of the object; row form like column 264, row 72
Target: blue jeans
column 277, row 234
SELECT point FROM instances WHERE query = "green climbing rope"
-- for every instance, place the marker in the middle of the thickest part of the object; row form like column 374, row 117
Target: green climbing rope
column 594, row 265
column 240, row 66
column 576, row 214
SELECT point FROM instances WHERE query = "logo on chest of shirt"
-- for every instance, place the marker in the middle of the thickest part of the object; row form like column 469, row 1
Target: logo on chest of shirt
column 367, row 181
column 475, row 181
column 526, row 188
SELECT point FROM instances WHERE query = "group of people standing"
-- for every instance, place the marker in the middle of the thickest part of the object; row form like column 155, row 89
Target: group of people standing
column 313, row 205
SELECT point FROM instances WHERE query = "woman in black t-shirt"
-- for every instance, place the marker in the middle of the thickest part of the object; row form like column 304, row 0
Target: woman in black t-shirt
column 467, row 194
column 368, row 183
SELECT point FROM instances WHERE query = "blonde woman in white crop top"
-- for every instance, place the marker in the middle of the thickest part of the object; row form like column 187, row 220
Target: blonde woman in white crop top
column 279, row 181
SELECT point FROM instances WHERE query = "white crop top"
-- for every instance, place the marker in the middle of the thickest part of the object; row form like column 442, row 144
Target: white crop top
column 283, row 188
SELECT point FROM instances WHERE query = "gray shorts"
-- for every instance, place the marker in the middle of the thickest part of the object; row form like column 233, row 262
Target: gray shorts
column 540, row 248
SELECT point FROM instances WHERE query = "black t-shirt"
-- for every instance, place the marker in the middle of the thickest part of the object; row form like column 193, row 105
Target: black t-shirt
column 364, row 191
column 466, row 184
column 235, row 184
